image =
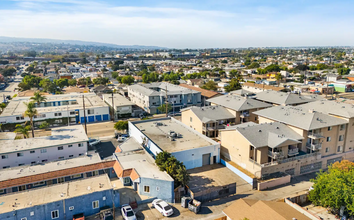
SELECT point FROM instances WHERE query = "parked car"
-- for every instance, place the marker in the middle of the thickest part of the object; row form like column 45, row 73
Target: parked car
column 163, row 207
column 127, row 212
column 93, row 142
column 121, row 139
column 106, row 213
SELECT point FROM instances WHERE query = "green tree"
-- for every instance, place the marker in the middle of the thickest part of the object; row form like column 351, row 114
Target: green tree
column 44, row 125
column 2, row 106
column 210, row 85
column 261, row 71
column 335, row 187
column 100, row 81
column 272, row 68
column 114, row 75
column 30, row 53
column 30, row 112
column 61, row 83
column 253, row 65
column 22, row 129
column 38, row 98
column 48, row 86
column 161, row 159
column 162, row 108
column 72, row 82
column 121, row 125
column 321, row 66
column 343, row 71
column 233, row 85
column 278, row 77
column 128, row 80
column 8, row 71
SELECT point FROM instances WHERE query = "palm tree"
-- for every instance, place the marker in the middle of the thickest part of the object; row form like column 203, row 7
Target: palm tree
column 38, row 98
column 278, row 77
column 22, row 129
column 31, row 112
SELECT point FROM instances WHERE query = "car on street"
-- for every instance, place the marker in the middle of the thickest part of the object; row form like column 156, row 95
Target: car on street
column 163, row 207
column 121, row 139
column 93, row 142
column 127, row 212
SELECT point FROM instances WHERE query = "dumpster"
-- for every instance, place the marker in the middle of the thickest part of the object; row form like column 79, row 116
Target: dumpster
column 194, row 206
column 185, row 200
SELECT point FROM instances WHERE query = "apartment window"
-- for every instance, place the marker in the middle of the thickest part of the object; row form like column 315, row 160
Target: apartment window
column 126, row 180
column 95, row 204
column 2, row 191
column 71, row 156
column 19, row 154
column 191, row 119
column 33, row 162
column 32, row 213
column 80, row 155
column 147, row 189
column 327, row 149
column 75, row 176
column 57, row 114
column 61, row 148
column 60, row 158
column 339, row 149
column 43, row 161
column 43, row 151
column 342, row 127
column 341, row 137
column 72, row 113
column 6, row 167
column 90, row 112
column 80, row 145
column 61, row 180
column 95, row 173
column 32, row 151
column 328, row 139
column 21, row 164
column 70, row 145
column 21, row 188
column 55, row 214
column 329, row 128
column 19, row 118
column 39, row 183
column 24, row 218
column 4, row 156
column 71, row 208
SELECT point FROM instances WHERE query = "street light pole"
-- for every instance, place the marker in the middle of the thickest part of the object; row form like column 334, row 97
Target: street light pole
column 83, row 103
column 114, row 111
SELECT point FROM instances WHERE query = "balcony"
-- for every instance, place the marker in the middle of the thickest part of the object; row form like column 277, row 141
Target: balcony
column 315, row 135
column 244, row 115
column 293, row 152
column 314, row 147
column 275, row 155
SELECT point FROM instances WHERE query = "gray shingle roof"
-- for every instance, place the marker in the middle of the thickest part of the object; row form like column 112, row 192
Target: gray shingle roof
column 331, row 107
column 149, row 89
column 282, row 98
column 238, row 103
column 270, row 134
column 300, row 117
column 210, row 113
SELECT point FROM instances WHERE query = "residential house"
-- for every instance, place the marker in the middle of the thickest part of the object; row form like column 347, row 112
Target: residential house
column 205, row 94
column 122, row 106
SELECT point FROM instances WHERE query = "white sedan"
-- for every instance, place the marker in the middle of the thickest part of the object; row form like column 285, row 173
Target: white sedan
column 128, row 213
column 93, row 142
column 163, row 207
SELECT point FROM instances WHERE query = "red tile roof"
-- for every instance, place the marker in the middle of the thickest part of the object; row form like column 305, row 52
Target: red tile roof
column 204, row 92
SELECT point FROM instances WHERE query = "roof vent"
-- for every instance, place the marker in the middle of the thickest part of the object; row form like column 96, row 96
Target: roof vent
column 277, row 127
column 259, row 130
column 311, row 111
column 343, row 106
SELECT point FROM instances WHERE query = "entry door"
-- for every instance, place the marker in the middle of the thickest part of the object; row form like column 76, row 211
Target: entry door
column 206, row 159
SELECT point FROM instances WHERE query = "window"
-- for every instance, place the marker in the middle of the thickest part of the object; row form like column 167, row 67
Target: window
column 80, row 145
column 342, row 127
column 80, row 155
column 157, row 188
column 147, row 189
column 24, row 218
column 327, row 149
column 2, row 191
column 191, row 119
column 32, row 213
column 60, row 158
column 329, row 128
column 6, row 167
column 57, row 114
column 33, row 162
column 76, row 176
column 39, row 183
column 95, row 173
column 4, row 156
column 71, row 156
column 43, row 151
column 90, row 112
column 21, row 188
column 71, row 208
column 341, row 137
column 19, row 154
column 95, row 204
column 339, row 149
column 32, row 151
column 21, row 164
column 126, row 180
column 72, row 113
column 328, row 139
column 43, row 161
column 70, row 145
column 55, row 214
column 61, row 148
column 61, row 180
column 19, row 118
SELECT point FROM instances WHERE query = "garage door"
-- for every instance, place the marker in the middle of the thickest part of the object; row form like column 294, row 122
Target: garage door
column 98, row 118
column 105, row 117
column 91, row 118
column 206, row 159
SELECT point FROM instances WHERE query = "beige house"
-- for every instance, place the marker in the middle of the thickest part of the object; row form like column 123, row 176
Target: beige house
column 241, row 107
column 207, row 120
column 289, row 139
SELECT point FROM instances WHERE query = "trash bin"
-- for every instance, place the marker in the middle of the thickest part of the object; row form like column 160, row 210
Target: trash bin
column 185, row 200
column 194, row 206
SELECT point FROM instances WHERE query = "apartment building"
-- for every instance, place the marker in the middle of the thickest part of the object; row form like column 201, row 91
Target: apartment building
column 150, row 96
column 241, row 107
column 286, row 98
column 171, row 135
column 122, row 106
column 64, row 143
column 60, row 108
column 207, row 120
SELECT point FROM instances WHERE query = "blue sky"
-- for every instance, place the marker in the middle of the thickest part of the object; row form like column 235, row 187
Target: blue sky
column 182, row 23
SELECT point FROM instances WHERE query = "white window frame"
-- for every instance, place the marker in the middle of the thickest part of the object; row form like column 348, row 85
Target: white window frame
column 32, row 151
column 20, row 154
column 3, row 157
column 147, row 187
column 71, row 208
column 76, row 176
column 328, row 139
column 32, row 213
column 126, row 180
column 95, row 204
column 2, row 191
column 57, row 213
column 39, row 183
column 341, row 137
column 61, row 148
column 43, row 151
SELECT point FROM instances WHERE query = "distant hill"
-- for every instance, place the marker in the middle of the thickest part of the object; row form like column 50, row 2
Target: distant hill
column 74, row 42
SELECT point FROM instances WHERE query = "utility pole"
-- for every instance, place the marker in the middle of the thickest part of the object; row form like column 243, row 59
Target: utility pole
column 114, row 111
column 166, row 101
column 83, row 103
column 67, row 112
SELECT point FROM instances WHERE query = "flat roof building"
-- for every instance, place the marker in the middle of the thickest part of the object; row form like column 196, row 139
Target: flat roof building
column 171, row 135
column 122, row 106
